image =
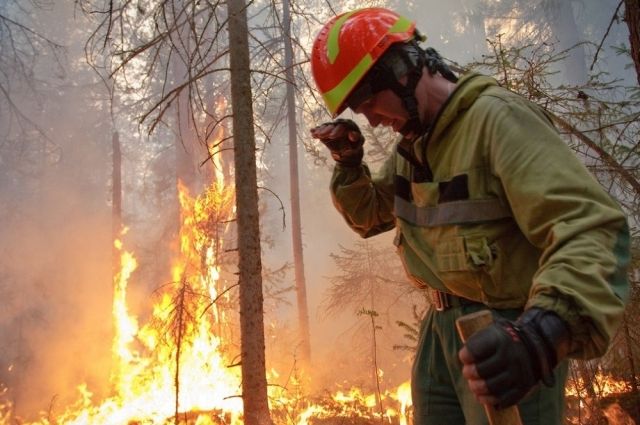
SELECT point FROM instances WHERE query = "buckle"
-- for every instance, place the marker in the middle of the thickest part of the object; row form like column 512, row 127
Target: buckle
column 440, row 300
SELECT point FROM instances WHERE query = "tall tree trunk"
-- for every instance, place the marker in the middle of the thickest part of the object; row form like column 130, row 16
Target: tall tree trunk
column 632, row 18
column 630, row 356
column 179, row 339
column 254, row 382
column 565, row 29
column 475, row 29
column 296, row 227
column 185, row 137
column 116, row 197
column 184, row 140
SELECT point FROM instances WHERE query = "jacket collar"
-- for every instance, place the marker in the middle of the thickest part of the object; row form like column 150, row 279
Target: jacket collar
column 468, row 89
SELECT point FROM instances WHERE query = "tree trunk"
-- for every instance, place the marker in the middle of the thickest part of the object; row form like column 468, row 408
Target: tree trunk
column 116, row 199
column 254, row 382
column 475, row 29
column 630, row 356
column 184, row 140
column 632, row 17
column 296, row 228
column 565, row 29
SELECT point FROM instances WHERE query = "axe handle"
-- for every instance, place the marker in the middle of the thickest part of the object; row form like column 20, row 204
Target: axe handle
column 467, row 326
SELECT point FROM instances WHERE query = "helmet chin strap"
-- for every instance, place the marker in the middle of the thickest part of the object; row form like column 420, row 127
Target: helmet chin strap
column 414, row 63
column 434, row 63
column 414, row 124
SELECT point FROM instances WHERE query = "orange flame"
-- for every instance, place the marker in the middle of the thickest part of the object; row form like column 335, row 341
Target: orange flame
column 147, row 367
column 403, row 395
column 604, row 385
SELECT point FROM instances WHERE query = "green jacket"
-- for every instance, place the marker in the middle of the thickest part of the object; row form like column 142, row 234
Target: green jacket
column 492, row 205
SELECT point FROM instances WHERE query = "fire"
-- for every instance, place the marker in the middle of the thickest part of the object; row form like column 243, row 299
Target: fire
column 178, row 362
column 388, row 407
column 593, row 399
column 603, row 385
column 126, row 327
column 403, row 395
column 174, row 363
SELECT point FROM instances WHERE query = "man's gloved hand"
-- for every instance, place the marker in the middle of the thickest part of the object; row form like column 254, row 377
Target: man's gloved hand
column 344, row 140
column 507, row 359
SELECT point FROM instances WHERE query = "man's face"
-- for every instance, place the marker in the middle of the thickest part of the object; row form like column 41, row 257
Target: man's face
column 384, row 108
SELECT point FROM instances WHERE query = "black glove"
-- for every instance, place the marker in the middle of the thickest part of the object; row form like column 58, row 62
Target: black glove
column 513, row 357
column 344, row 140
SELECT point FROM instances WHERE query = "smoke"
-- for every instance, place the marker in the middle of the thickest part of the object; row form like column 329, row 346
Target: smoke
column 55, row 237
column 55, row 289
column 55, row 244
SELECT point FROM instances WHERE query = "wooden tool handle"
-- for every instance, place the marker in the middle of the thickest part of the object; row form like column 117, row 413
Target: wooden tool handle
column 467, row 326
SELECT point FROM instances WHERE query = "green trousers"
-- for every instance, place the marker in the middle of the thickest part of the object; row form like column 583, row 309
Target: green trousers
column 440, row 393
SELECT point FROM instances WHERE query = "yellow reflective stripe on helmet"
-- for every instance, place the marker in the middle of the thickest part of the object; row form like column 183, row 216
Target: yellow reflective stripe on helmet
column 333, row 46
column 401, row 25
column 334, row 97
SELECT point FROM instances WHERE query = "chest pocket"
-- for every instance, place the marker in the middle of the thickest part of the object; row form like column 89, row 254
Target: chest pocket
column 463, row 254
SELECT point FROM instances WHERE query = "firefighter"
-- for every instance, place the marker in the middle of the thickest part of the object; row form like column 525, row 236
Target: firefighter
column 491, row 210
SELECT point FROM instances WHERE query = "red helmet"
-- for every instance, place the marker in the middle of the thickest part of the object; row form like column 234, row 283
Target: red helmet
column 349, row 45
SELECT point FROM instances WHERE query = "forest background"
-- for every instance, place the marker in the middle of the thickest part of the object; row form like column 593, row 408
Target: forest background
column 88, row 88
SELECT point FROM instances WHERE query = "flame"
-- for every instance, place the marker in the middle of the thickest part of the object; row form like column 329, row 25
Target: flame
column 604, row 385
column 616, row 415
column 311, row 411
column 403, row 395
column 175, row 355
column 126, row 327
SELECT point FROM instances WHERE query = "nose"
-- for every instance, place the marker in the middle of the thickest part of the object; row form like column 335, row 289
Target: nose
column 373, row 118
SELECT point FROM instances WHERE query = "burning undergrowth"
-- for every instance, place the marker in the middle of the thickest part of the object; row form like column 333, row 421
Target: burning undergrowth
column 181, row 366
